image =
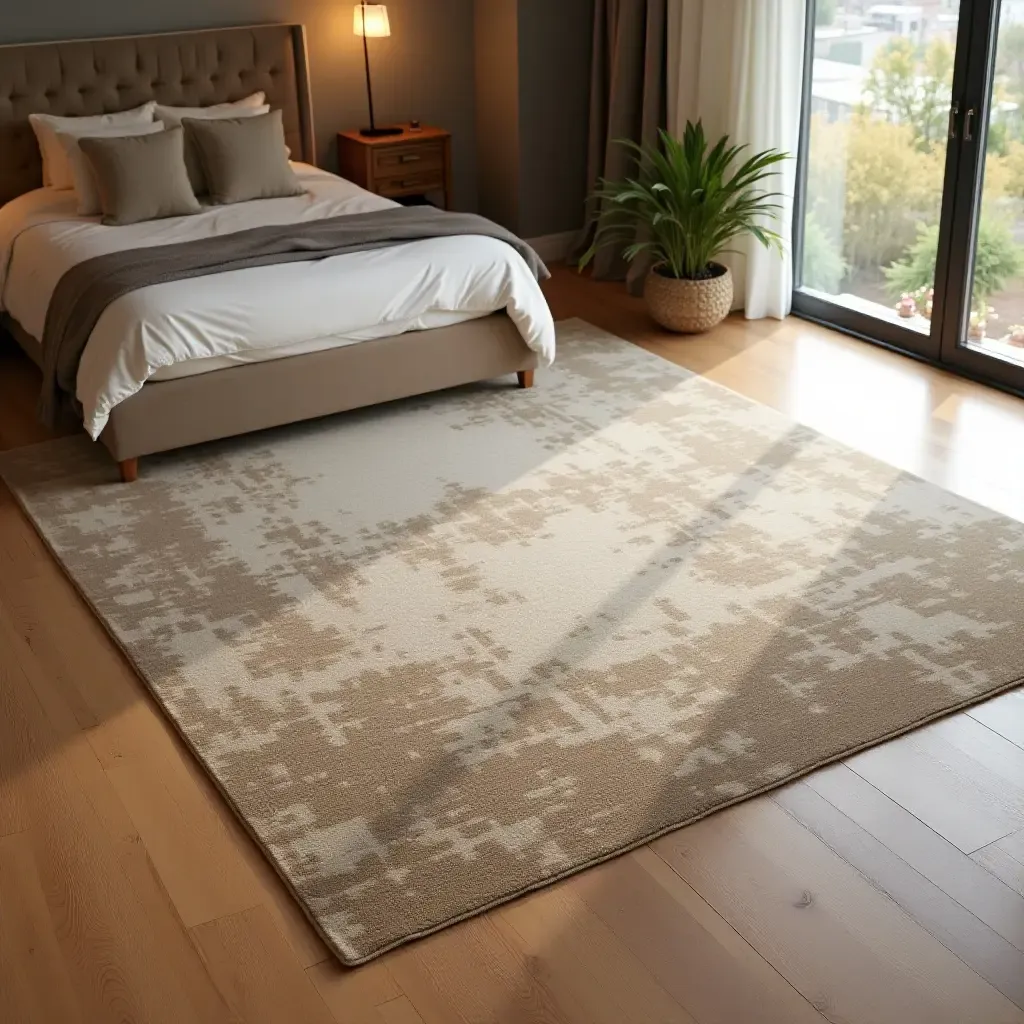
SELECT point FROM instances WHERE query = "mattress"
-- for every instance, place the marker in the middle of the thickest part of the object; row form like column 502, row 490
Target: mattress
column 186, row 327
column 206, row 364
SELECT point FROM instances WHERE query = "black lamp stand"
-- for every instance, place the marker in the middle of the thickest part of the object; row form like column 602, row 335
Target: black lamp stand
column 373, row 131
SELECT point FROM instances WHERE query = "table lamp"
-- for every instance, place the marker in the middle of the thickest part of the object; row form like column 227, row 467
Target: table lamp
column 371, row 21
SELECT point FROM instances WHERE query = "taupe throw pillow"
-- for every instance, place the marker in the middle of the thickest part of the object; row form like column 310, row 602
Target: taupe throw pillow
column 244, row 158
column 141, row 178
column 81, row 169
column 251, row 106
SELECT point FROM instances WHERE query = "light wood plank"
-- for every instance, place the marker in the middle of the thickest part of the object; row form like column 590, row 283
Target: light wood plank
column 1013, row 845
column 97, row 680
column 949, row 739
column 469, row 973
column 352, row 994
column 695, row 955
column 256, row 970
column 283, row 907
column 823, row 926
column 578, row 952
column 35, row 986
column 122, row 847
column 950, row 791
column 573, row 989
column 26, row 603
column 15, row 758
column 399, row 1011
column 162, row 782
column 987, row 952
column 122, row 964
column 142, row 738
column 433, row 1003
column 928, row 853
column 180, row 958
column 1004, row 715
column 192, row 853
column 1005, row 860
column 21, row 551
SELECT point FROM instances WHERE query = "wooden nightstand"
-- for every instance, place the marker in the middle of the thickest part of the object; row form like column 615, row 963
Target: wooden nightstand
column 409, row 164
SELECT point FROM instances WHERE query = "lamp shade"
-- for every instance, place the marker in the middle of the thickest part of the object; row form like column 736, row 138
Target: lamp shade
column 371, row 20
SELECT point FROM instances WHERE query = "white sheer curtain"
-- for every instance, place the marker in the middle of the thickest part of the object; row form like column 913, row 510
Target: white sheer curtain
column 738, row 65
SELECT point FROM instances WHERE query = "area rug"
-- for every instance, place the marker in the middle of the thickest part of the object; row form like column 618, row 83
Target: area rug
column 445, row 651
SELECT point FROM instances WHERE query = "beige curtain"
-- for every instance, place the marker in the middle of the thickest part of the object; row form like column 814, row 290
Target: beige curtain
column 627, row 100
column 738, row 66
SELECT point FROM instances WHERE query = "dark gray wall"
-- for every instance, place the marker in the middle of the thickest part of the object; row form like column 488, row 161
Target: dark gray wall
column 554, row 109
column 425, row 70
column 533, row 111
column 497, row 110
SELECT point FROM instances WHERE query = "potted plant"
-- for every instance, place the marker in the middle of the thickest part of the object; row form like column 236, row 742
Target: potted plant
column 907, row 306
column 689, row 202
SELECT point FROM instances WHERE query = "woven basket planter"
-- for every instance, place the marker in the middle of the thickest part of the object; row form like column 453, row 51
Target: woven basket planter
column 689, row 307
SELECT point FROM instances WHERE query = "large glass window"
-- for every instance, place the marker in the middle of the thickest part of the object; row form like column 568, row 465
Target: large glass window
column 910, row 213
column 995, row 324
column 881, row 80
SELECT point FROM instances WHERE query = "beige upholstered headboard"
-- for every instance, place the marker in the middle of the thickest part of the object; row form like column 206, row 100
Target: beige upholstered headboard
column 187, row 69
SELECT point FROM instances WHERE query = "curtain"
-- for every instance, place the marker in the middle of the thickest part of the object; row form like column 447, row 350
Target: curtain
column 627, row 100
column 738, row 66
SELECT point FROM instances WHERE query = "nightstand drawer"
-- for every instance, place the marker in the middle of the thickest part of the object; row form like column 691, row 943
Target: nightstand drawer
column 410, row 164
column 412, row 181
column 397, row 161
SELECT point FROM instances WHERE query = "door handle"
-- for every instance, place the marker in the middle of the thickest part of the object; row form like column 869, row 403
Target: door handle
column 969, row 125
column 954, row 113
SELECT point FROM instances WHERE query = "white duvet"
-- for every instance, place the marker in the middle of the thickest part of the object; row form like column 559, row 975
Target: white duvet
column 193, row 326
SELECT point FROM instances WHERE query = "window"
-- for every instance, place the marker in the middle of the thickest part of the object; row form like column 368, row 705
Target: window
column 910, row 208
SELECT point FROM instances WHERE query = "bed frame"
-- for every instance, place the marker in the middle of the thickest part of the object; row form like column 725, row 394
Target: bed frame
column 98, row 76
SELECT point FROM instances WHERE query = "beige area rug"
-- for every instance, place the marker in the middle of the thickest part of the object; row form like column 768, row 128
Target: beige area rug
column 442, row 652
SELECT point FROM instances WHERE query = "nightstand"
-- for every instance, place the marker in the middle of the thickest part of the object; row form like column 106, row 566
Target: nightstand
column 409, row 164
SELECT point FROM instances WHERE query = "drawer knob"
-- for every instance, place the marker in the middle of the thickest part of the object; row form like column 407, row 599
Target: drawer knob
column 409, row 158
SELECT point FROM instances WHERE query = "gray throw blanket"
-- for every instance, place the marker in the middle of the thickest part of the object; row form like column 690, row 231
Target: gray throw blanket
column 85, row 291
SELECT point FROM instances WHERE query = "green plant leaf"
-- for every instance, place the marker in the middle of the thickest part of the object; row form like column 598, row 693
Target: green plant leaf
column 687, row 202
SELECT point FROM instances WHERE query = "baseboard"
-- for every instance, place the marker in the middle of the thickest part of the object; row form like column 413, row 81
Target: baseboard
column 554, row 248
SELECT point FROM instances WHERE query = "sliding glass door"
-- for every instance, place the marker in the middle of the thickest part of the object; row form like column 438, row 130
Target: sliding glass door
column 910, row 207
column 983, row 327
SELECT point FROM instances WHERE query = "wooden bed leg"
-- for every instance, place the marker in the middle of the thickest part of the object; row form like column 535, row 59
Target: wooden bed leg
column 525, row 378
column 129, row 470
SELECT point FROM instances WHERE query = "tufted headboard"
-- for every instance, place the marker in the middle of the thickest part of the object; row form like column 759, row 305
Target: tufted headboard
column 186, row 69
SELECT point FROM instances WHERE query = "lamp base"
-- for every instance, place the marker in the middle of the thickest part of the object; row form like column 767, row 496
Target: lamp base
column 376, row 133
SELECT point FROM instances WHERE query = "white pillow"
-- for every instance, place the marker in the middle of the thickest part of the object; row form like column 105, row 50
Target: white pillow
column 81, row 172
column 254, row 104
column 56, row 170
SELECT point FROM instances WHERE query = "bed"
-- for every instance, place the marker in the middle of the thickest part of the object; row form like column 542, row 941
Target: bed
column 191, row 361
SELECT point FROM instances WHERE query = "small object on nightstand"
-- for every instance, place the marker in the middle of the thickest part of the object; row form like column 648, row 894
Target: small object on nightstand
column 410, row 164
column 414, row 126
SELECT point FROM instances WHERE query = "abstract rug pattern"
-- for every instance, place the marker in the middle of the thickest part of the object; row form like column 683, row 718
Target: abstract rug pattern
column 444, row 651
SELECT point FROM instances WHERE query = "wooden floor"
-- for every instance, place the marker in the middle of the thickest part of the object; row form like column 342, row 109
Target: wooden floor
column 889, row 888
